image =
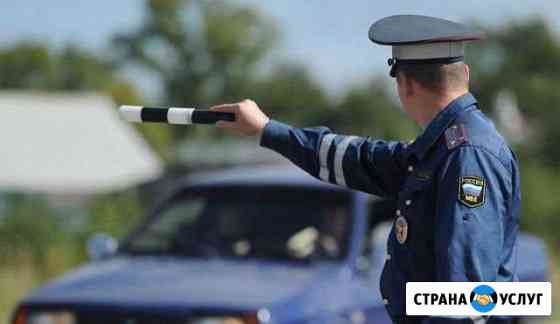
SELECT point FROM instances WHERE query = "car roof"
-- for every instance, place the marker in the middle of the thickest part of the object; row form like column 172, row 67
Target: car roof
column 269, row 175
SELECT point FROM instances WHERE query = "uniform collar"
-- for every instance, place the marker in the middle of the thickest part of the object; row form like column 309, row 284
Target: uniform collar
column 440, row 123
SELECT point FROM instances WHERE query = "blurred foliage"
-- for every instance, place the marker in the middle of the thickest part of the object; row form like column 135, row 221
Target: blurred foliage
column 369, row 110
column 28, row 225
column 31, row 65
column 289, row 93
column 523, row 58
column 34, row 231
column 39, row 240
column 114, row 213
column 202, row 52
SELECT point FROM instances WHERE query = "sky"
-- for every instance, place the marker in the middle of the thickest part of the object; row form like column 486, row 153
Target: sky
column 330, row 37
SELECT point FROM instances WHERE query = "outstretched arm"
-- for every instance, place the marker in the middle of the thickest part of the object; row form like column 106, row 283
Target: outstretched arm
column 359, row 163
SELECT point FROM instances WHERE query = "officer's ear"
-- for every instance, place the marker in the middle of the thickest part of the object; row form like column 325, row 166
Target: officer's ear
column 467, row 72
column 406, row 84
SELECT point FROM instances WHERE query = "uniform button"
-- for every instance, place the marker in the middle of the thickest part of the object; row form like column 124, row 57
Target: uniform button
column 410, row 168
column 408, row 202
column 385, row 301
column 388, row 257
column 398, row 212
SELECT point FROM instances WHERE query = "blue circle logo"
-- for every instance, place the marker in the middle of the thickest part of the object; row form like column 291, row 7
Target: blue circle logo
column 484, row 298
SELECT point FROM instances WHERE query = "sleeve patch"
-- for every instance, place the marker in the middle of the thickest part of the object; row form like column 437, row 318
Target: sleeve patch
column 472, row 191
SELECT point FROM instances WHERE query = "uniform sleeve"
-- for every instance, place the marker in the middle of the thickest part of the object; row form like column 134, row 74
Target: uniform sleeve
column 359, row 163
column 472, row 196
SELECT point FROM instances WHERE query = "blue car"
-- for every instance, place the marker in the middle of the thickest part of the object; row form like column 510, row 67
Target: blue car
column 246, row 246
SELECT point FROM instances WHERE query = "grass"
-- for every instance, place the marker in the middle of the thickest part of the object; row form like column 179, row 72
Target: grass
column 23, row 273
column 15, row 282
column 555, row 279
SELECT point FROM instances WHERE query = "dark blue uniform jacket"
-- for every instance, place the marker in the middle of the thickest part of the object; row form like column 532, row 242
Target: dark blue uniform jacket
column 457, row 188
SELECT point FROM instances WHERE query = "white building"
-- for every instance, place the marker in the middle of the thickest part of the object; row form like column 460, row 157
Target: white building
column 69, row 143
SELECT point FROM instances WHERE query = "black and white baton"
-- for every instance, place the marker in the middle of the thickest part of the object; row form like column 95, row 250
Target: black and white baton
column 173, row 115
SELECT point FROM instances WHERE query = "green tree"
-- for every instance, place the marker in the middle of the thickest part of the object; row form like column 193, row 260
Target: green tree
column 31, row 65
column 202, row 52
column 26, row 65
column 523, row 58
column 290, row 94
column 371, row 111
column 27, row 226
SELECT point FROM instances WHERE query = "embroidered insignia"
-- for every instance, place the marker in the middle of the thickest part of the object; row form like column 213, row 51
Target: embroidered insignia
column 472, row 190
column 401, row 229
column 455, row 136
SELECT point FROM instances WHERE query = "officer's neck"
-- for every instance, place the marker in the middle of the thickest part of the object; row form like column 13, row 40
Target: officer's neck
column 429, row 105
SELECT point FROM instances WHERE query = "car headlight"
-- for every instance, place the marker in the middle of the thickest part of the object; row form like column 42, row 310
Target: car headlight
column 25, row 316
column 226, row 320
column 38, row 317
column 51, row 318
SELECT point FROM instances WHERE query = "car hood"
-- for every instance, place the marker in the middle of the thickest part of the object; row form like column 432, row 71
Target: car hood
column 165, row 282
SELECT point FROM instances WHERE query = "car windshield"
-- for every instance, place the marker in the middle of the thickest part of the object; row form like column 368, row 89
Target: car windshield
column 248, row 222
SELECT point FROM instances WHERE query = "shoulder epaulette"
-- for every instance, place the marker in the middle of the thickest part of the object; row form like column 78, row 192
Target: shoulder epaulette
column 456, row 135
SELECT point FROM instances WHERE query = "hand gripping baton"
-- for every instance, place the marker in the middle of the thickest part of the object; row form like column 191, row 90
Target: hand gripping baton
column 173, row 115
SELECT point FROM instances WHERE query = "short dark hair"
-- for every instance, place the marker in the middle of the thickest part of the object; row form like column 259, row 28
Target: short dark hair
column 436, row 77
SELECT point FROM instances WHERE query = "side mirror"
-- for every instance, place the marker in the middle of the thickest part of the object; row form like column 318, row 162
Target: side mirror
column 101, row 246
column 373, row 256
column 378, row 242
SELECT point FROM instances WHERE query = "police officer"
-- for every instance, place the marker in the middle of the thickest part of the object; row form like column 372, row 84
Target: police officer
column 456, row 185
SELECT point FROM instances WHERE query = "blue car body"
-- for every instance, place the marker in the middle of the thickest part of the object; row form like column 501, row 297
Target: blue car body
column 169, row 289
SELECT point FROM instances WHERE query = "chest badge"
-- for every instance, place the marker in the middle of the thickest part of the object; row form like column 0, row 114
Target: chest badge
column 472, row 190
column 401, row 229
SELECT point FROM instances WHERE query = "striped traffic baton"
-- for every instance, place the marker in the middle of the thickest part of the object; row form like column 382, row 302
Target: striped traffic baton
column 173, row 115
